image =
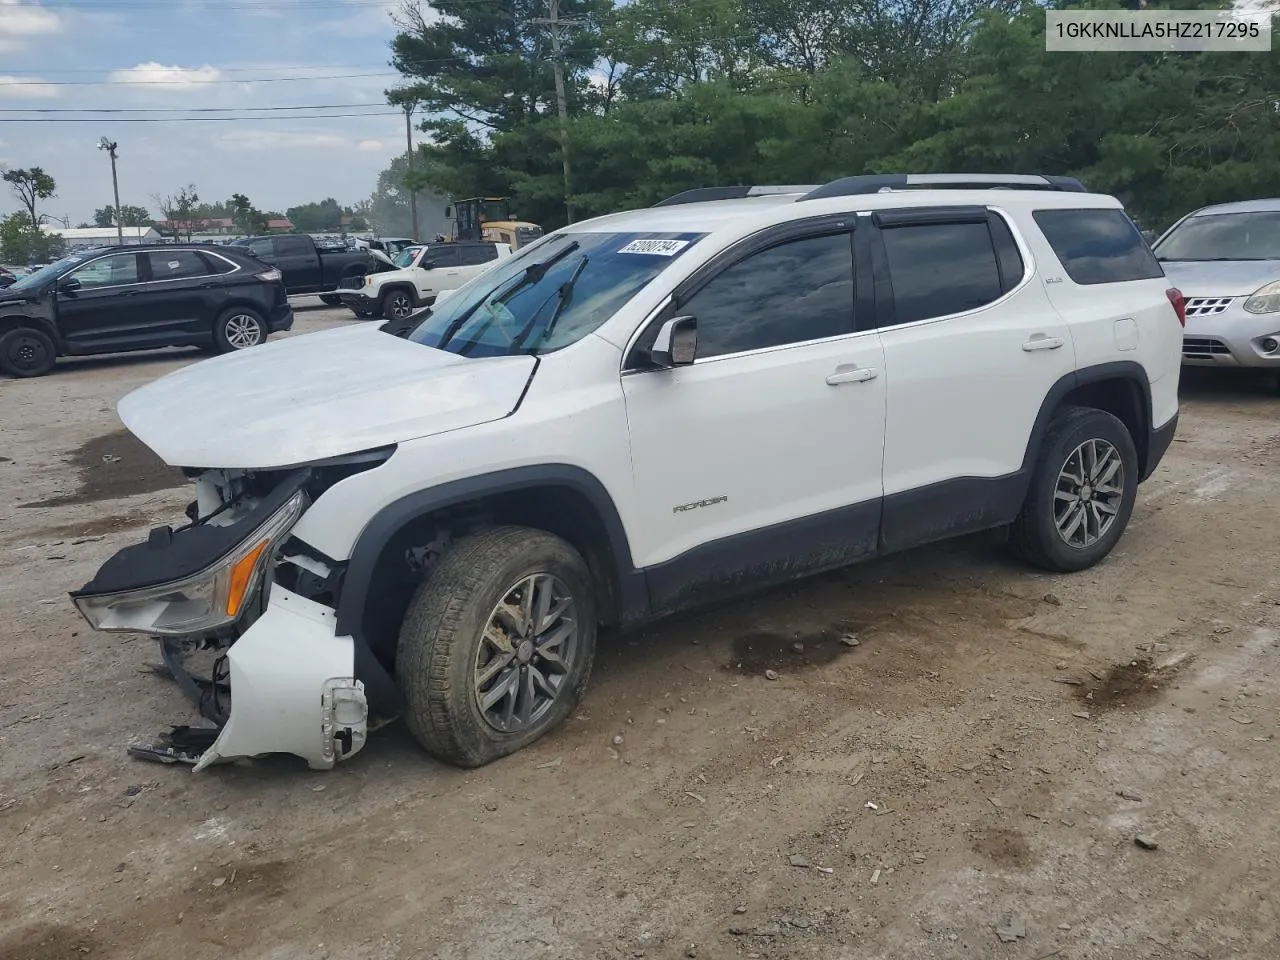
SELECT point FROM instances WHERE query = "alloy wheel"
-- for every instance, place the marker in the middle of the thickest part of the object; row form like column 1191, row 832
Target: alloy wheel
column 526, row 653
column 400, row 306
column 243, row 331
column 1089, row 493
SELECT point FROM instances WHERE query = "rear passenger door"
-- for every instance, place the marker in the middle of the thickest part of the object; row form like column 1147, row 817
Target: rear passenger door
column 476, row 258
column 971, row 347
column 182, row 297
column 299, row 262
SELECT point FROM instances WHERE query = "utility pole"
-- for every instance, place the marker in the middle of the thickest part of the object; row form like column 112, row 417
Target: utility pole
column 110, row 147
column 408, row 138
column 553, row 21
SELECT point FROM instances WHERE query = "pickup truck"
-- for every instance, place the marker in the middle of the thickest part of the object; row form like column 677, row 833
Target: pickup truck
column 307, row 269
column 422, row 273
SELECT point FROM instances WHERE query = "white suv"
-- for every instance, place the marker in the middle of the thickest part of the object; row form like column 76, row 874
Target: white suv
column 639, row 414
column 422, row 273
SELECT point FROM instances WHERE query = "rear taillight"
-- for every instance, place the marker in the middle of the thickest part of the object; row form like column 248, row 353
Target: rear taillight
column 269, row 276
column 1179, row 304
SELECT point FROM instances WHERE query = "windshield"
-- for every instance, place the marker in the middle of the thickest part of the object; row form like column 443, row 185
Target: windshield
column 551, row 294
column 45, row 273
column 406, row 256
column 1224, row 236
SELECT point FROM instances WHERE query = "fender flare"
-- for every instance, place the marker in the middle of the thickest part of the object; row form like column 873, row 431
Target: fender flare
column 388, row 521
column 1115, row 370
column 404, row 285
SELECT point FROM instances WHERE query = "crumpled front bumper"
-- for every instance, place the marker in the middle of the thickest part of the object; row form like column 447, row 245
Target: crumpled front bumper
column 293, row 688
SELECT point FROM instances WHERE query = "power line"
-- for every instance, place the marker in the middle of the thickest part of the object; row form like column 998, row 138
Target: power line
column 186, row 82
column 315, row 106
column 317, row 116
column 260, row 69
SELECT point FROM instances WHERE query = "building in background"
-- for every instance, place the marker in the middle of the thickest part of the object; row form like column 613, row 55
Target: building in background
column 81, row 238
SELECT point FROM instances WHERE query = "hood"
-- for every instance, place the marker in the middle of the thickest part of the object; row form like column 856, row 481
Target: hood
column 316, row 396
column 1220, row 278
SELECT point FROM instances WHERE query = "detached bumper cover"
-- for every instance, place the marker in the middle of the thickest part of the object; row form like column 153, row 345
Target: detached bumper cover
column 293, row 688
column 356, row 301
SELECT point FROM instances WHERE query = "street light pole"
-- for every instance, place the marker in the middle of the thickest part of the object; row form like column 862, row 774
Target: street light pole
column 408, row 139
column 110, row 147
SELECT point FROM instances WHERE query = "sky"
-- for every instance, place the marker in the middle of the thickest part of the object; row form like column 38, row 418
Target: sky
column 230, row 56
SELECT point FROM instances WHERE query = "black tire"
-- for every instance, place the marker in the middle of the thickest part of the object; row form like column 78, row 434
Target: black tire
column 1035, row 535
column 232, row 330
column 27, row 352
column 330, row 299
column 440, row 646
column 397, row 304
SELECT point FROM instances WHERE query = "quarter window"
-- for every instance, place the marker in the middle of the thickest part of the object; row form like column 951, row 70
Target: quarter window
column 113, row 271
column 791, row 293
column 939, row 269
column 177, row 265
column 1098, row 246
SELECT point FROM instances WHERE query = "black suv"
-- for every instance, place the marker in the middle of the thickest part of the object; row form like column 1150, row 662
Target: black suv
column 137, row 298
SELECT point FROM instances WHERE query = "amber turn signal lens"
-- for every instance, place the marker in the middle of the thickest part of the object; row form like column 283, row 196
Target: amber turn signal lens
column 241, row 577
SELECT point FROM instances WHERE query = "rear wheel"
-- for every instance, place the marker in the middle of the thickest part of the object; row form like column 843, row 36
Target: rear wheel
column 397, row 304
column 27, row 352
column 497, row 644
column 238, row 329
column 1082, row 492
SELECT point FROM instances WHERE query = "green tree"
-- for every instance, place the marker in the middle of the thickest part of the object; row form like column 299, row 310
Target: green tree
column 30, row 186
column 19, row 244
column 130, row 216
column 322, row 217
column 179, row 209
column 248, row 219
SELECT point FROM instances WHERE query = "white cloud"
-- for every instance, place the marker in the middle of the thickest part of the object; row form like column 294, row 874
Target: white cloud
column 27, row 88
column 371, row 146
column 281, row 140
column 20, row 21
column 157, row 77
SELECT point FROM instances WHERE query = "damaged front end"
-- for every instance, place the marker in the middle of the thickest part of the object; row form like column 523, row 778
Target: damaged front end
column 232, row 587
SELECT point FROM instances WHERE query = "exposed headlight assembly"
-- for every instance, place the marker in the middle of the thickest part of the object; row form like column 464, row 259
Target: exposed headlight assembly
column 1266, row 299
column 212, row 598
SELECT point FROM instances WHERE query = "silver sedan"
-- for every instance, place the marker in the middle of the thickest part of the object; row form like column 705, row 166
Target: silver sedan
column 1226, row 261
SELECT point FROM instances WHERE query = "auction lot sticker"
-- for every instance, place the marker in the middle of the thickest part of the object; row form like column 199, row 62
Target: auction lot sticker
column 656, row 248
column 1155, row 31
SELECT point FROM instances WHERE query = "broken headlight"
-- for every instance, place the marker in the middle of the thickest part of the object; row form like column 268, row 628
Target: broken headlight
column 212, row 598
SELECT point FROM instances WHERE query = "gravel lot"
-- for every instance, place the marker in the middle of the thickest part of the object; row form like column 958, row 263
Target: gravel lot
column 912, row 797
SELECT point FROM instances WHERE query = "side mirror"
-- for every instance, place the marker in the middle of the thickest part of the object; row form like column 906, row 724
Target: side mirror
column 68, row 285
column 677, row 343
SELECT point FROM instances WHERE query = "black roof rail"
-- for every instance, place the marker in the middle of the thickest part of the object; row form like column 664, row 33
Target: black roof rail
column 705, row 194
column 876, row 183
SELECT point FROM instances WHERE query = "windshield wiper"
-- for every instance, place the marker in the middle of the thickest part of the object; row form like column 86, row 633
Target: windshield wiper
column 564, row 295
column 532, row 274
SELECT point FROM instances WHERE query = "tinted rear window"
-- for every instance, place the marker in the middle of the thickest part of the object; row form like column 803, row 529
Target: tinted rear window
column 1098, row 246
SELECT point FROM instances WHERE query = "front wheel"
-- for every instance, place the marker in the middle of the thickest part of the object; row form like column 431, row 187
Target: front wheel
column 27, row 352
column 396, row 304
column 1082, row 492
column 497, row 644
column 238, row 329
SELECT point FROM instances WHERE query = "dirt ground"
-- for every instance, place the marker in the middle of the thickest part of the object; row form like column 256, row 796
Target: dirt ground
column 979, row 764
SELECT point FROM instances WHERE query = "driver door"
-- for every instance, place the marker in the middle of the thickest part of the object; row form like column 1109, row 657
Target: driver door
column 761, row 461
column 444, row 263
column 102, row 310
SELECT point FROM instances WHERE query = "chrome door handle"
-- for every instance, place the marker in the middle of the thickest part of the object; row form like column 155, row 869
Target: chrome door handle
column 1039, row 341
column 849, row 374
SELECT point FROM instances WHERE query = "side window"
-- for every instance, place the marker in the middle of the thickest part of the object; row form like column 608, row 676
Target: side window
column 940, row 268
column 796, row 291
column 445, row 255
column 110, row 271
column 215, row 264
column 1098, row 246
column 478, row 253
column 177, row 265
column 262, row 248
column 294, row 247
